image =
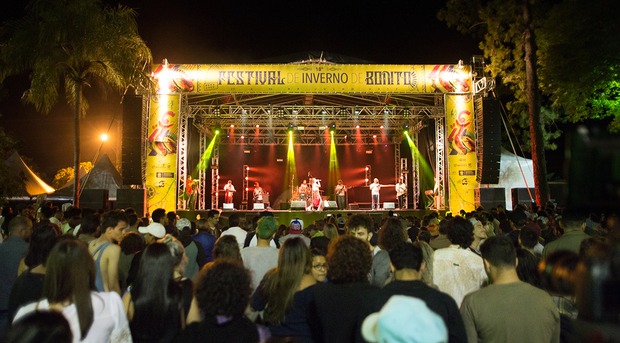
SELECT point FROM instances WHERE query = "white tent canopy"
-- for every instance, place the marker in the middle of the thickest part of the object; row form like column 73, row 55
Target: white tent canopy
column 33, row 185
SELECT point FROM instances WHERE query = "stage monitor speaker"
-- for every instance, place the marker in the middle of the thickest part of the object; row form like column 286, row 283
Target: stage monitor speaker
column 490, row 198
column 298, row 205
column 131, row 166
column 258, row 206
column 522, row 196
column 330, row 205
column 389, row 206
column 354, row 206
column 490, row 148
column 228, row 206
column 134, row 198
column 94, row 198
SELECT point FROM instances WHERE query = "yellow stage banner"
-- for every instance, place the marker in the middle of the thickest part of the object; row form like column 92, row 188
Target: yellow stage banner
column 461, row 148
column 312, row 78
column 161, row 161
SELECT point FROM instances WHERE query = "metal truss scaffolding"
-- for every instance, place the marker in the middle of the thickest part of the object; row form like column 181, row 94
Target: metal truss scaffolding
column 202, row 174
column 415, row 175
column 182, row 155
column 440, row 172
column 246, row 187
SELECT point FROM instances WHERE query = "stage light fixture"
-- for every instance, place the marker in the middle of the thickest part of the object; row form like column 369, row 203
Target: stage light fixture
column 291, row 127
column 280, row 112
column 217, row 129
column 216, row 111
column 332, row 128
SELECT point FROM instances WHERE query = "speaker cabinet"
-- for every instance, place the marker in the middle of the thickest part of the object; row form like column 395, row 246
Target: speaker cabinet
column 489, row 147
column 94, row 198
column 134, row 198
column 330, row 205
column 259, row 206
column 490, row 198
column 298, row 205
column 228, row 206
column 522, row 196
column 389, row 206
column 131, row 166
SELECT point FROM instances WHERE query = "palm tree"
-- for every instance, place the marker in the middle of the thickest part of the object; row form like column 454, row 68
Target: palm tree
column 69, row 45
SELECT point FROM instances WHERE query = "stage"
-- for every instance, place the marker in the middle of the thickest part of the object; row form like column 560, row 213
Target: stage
column 309, row 217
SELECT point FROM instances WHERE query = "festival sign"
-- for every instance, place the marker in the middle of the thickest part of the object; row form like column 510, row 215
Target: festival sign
column 461, row 149
column 313, row 78
column 161, row 160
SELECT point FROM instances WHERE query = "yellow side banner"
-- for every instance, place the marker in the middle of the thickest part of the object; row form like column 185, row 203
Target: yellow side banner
column 161, row 160
column 312, row 78
column 461, row 149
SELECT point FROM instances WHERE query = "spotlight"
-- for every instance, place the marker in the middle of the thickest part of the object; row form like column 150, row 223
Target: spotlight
column 217, row 129
column 291, row 127
column 280, row 112
column 332, row 128
column 216, row 111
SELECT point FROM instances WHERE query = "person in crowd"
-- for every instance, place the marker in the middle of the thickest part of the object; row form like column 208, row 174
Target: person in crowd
column 528, row 240
column 196, row 257
column 131, row 244
column 206, row 234
column 262, row 257
column 349, row 261
column 404, row 319
column 330, row 230
column 456, row 269
column 154, row 301
column 319, row 265
column 508, row 310
column 227, row 248
column 480, row 234
column 88, row 228
column 69, row 288
column 71, row 219
column 11, row 252
column 408, row 263
column 558, row 273
column 29, row 285
column 180, row 260
column 221, row 295
column 171, row 224
column 133, row 222
column 362, row 227
column 285, row 292
column 151, row 233
column 390, row 235
column 295, row 229
column 40, row 327
column 527, row 268
column 106, row 251
column 573, row 222
column 235, row 230
column 438, row 232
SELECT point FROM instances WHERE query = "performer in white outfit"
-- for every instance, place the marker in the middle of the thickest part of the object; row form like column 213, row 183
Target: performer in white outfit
column 375, row 187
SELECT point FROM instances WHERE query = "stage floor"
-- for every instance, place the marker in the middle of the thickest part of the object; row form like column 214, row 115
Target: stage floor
column 285, row 216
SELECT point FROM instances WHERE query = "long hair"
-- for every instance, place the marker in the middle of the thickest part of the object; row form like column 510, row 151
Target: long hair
column 70, row 276
column 42, row 240
column 282, row 282
column 154, row 294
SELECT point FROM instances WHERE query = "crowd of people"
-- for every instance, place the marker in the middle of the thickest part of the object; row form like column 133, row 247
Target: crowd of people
column 527, row 275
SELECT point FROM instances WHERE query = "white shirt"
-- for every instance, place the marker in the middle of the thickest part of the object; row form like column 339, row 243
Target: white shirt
column 109, row 319
column 239, row 234
column 259, row 260
column 375, row 187
column 457, row 271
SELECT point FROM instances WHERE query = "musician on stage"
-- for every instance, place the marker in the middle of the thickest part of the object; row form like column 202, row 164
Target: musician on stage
column 258, row 193
column 401, row 193
column 189, row 192
column 316, row 193
column 375, row 187
column 340, row 193
column 229, row 190
column 303, row 191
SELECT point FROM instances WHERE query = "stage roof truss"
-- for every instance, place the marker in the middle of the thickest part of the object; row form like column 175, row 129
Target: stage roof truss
column 310, row 124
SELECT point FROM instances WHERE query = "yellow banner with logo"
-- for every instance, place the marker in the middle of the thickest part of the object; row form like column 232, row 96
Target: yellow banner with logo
column 161, row 160
column 312, row 78
column 461, row 149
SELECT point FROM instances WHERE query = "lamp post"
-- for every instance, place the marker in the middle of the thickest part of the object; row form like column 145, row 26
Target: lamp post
column 104, row 137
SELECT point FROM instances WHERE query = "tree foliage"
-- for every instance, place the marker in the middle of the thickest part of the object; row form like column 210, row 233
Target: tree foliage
column 65, row 175
column 10, row 182
column 68, row 45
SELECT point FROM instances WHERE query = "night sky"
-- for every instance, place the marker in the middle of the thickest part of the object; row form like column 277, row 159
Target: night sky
column 202, row 32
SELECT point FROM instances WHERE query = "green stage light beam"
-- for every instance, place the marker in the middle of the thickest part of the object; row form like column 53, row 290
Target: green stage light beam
column 205, row 159
column 426, row 172
column 334, row 169
column 291, row 168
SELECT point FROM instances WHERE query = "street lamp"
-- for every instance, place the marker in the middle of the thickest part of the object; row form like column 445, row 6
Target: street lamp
column 104, row 138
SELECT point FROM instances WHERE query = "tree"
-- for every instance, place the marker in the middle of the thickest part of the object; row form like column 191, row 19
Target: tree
column 507, row 29
column 64, row 175
column 69, row 45
column 10, row 182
